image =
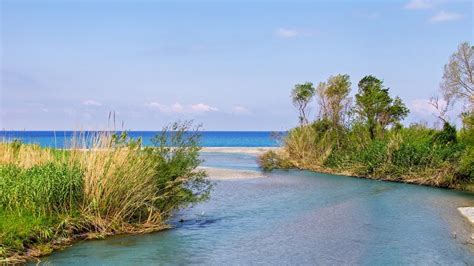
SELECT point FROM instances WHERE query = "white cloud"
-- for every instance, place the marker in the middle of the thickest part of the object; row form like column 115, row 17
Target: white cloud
column 444, row 16
column 419, row 4
column 174, row 108
column 179, row 108
column 201, row 108
column 286, row 33
column 91, row 103
column 240, row 110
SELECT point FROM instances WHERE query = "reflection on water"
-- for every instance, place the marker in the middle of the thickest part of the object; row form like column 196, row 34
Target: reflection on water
column 298, row 217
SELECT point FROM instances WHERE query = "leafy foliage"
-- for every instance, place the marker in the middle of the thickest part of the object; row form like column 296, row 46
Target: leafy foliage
column 301, row 95
column 375, row 106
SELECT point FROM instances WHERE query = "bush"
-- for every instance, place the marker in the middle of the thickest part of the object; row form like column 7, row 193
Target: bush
column 271, row 160
column 175, row 157
column 466, row 164
column 446, row 136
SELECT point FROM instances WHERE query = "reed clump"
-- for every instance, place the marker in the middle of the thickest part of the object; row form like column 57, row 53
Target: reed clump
column 102, row 185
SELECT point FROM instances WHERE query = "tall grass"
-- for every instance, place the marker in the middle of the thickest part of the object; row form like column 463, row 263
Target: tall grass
column 103, row 184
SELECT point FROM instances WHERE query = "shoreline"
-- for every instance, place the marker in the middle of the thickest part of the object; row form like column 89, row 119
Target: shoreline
column 34, row 253
column 242, row 150
column 409, row 181
column 467, row 212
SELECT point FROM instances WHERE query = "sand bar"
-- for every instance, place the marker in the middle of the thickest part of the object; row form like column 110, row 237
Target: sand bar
column 246, row 150
column 215, row 173
column 468, row 212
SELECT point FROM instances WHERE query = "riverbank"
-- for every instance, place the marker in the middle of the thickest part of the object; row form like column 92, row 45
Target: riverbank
column 215, row 173
column 417, row 154
column 279, row 159
column 33, row 251
column 51, row 197
column 434, row 180
column 468, row 212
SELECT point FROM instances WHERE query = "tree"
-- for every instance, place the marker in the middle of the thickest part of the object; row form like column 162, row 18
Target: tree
column 301, row 96
column 333, row 98
column 458, row 77
column 334, row 101
column 376, row 107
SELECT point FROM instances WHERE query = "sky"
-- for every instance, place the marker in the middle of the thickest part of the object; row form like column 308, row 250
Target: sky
column 228, row 65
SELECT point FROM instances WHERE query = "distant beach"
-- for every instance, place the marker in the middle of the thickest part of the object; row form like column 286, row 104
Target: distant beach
column 244, row 150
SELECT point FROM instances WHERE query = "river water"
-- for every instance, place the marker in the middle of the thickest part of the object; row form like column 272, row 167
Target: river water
column 298, row 217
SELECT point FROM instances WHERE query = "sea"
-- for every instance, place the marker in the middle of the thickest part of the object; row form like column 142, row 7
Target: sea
column 61, row 139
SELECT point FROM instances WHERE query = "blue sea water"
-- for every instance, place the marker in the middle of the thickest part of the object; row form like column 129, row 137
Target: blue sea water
column 61, row 139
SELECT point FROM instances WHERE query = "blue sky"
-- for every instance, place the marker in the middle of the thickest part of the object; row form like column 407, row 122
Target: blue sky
column 229, row 65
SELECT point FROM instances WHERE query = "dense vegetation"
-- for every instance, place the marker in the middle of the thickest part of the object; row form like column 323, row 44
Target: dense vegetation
column 112, row 185
column 363, row 136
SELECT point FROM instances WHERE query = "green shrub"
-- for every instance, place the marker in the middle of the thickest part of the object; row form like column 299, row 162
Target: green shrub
column 446, row 136
column 271, row 160
column 466, row 164
column 176, row 157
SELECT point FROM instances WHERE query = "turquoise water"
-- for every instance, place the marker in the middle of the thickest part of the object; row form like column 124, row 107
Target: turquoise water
column 61, row 139
column 298, row 217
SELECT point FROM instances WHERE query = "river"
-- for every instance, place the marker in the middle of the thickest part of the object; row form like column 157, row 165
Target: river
column 298, row 217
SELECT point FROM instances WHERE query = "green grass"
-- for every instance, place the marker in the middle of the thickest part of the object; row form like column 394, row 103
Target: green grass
column 116, row 186
column 19, row 230
column 46, row 188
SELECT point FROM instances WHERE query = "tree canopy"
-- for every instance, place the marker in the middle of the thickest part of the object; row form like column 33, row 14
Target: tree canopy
column 375, row 106
column 458, row 77
column 301, row 96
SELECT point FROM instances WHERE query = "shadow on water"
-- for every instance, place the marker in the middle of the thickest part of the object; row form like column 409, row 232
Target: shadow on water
column 196, row 223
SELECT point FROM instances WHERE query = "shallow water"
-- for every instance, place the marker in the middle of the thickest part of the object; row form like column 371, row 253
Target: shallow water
column 299, row 217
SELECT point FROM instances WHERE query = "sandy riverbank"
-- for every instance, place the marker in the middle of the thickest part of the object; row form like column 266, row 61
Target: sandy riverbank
column 215, row 173
column 246, row 150
column 467, row 212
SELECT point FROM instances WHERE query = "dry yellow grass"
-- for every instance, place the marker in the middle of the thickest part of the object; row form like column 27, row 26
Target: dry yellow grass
column 24, row 156
column 119, row 186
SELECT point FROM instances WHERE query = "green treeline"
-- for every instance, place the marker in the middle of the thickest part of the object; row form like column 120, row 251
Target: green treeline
column 49, row 197
column 364, row 135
